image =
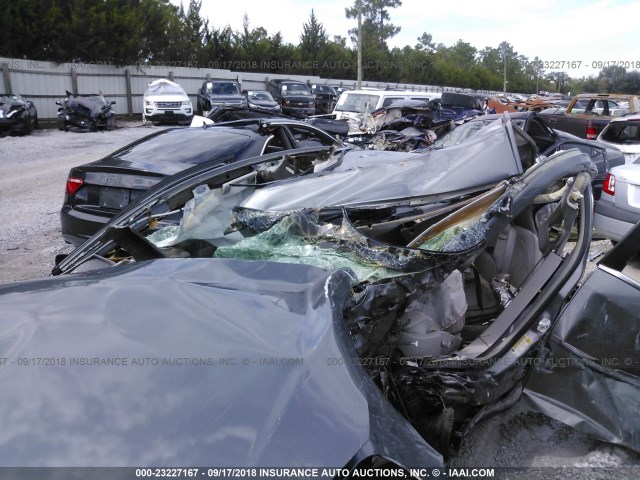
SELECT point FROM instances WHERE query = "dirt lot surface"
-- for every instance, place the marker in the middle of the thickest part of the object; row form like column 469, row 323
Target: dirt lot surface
column 33, row 172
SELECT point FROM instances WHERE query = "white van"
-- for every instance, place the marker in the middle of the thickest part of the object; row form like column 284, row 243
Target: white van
column 357, row 102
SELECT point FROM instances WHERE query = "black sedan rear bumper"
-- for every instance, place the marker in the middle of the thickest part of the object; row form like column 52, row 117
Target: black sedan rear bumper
column 78, row 226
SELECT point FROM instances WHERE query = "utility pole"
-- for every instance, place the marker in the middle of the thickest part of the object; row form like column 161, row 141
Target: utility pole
column 504, row 57
column 359, row 44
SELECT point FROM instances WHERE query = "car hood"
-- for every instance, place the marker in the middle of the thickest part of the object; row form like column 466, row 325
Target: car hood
column 264, row 103
column 298, row 97
column 368, row 176
column 187, row 362
column 226, row 98
column 166, row 97
column 7, row 105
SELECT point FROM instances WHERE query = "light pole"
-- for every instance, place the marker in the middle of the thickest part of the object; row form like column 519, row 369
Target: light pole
column 359, row 44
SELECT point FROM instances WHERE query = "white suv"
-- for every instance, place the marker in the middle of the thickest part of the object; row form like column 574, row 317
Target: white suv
column 166, row 102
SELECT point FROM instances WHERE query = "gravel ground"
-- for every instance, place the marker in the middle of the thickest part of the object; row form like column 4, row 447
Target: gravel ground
column 33, row 172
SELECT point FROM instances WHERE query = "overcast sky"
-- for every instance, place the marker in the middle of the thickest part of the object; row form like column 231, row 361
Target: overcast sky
column 584, row 31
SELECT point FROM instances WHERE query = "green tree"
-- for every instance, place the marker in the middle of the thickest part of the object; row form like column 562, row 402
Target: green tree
column 425, row 42
column 117, row 31
column 376, row 27
column 313, row 37
column 313, row 42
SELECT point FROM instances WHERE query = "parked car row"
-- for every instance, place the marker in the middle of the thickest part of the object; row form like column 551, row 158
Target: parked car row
column 291, row 97
column 167, row 102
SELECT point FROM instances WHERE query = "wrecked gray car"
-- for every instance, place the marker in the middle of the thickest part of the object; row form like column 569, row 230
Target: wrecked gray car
column 378, row 306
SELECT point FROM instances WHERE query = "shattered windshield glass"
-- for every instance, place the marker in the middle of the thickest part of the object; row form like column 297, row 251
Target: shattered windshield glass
column 303, row 236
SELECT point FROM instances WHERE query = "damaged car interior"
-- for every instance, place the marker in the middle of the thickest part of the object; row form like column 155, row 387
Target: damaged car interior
column 459, row 260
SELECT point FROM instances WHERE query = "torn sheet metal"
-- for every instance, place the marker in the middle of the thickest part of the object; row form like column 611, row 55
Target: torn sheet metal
column 205, row 217
column 485, row 159
column 411, row 124
column 589, row 379
column 410, row 138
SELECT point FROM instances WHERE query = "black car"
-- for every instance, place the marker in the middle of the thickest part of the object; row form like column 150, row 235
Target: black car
column 548, row 141
column 96, row 191
column 86, row 113
column 17, row 114
column 219, row 92
column 294, row 97
column 227, row 113
column 463, row 104
column 261, row 100
column 354, row 299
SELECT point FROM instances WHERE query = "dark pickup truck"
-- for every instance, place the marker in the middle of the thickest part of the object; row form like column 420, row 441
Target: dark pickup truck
column 294, row 97
column 588, row 113
column 219, row 92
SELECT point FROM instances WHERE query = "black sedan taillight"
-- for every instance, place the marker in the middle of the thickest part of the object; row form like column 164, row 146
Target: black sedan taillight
column 73, row 184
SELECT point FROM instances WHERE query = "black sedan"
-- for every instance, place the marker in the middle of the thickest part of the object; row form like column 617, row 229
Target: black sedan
column 96, row 191
column 17, row 114
column 227, row 113
column 261, row 100
column 548, row 141
column 446, row 281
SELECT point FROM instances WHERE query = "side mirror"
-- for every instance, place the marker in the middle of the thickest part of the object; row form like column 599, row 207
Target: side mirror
column 112, row 102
